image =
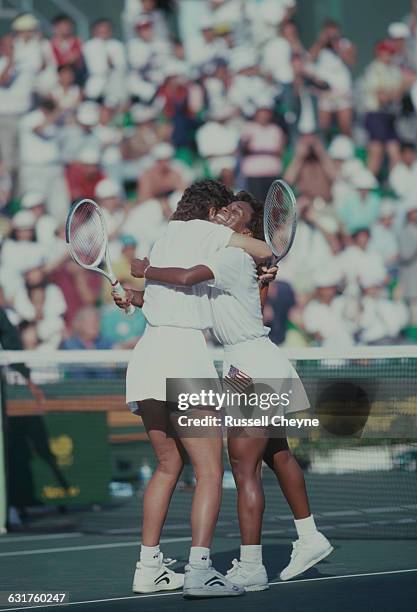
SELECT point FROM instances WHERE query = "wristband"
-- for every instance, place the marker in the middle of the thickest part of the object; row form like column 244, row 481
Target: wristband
column 145, row 270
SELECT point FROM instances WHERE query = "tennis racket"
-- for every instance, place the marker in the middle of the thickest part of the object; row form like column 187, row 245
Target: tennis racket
column 280, row 219
column 88, row 243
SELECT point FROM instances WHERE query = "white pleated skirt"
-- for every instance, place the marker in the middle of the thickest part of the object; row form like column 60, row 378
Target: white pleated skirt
column 166, row 352
column 266, row 363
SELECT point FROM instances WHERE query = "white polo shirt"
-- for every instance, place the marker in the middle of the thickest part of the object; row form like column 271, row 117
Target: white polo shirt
column 185, row 244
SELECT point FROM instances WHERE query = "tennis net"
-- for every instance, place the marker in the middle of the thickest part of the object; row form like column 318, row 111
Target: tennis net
column 80, row 459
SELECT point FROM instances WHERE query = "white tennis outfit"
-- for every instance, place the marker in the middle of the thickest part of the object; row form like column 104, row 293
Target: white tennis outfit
column 173, row 345
column 238, row 324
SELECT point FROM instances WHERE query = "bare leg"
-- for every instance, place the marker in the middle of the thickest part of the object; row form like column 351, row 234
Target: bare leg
column 375, row 156
column 325, row 119
column 168, row 452
column 245, row 454
column 205, row 454
column 344, row 119
column 290, row 476
column 393, row 151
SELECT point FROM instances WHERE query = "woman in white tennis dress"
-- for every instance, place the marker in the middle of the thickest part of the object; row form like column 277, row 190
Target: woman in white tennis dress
column 238, row 325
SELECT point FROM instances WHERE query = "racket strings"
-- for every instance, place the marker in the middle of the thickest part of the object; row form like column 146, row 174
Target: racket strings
column 88, row 235
column 279, row 219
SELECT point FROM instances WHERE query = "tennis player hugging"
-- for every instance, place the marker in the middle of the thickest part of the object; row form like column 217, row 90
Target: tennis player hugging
column 202, row 274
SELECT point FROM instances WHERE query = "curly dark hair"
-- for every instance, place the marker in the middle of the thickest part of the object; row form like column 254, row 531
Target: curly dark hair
column 199, row 197
column 256, row 225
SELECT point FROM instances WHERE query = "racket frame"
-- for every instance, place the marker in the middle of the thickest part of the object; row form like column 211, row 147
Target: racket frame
column 103, row 257
column 280, row 256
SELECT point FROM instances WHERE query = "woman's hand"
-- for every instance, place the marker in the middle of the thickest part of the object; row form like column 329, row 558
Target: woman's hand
column 267, row 275
column 123, row 302
column 138, row 267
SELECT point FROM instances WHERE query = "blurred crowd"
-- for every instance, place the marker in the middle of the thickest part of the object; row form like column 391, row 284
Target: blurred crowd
column 227, row 91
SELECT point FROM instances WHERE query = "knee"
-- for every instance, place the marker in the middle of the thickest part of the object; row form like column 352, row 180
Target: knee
column 210, row 472
column 242, row 471
column 170, row 466
column 282, row 459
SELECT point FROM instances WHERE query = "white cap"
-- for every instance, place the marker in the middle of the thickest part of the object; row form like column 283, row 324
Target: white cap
column 351, row 167
column 141, row 113
column 24, row 219
column 398, row 29
column 264, row 101
column 32, row 199
column 243, row 59
column 207, row 23
column 328, row 277
column 162, row 151
column 89, row 156
column 364, row 180
column 341, row 147
column 371, row 276
column 387, row 208
column 107, row 188
column 88, row 113
column 25, row 23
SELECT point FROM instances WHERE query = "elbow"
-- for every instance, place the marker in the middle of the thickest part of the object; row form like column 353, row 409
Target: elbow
column 187, row 279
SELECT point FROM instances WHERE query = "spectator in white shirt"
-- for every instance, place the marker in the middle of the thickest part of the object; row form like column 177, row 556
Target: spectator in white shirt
column 334, row 58
column 66, row 93
column 283, row 47
column 384, row 238
column 135, row 8
column 359, row 256
column 247, row 82
column 15, row 100
column 342, row 153
column 109, row 196
column 403, row 176
column 83, row 134
column 40, row 157
column 106, row 65
column 324, row 316
column 381, row 320
column 147, row 56
column 46, row 224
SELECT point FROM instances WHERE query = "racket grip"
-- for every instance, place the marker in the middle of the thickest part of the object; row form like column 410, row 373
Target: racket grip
column 118, row 289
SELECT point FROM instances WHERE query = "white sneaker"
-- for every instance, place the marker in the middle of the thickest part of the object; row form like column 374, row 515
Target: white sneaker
column 207, row 582
column 306, row 552
column 149, row 579
column 254, row 581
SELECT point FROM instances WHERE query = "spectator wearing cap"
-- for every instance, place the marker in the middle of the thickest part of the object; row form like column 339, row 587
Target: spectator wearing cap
column 248, row 82
column 262, row 143
column 45, row 224
column 359, row 256
column 399, row 33
column 42, row 303
column 315, row 244
column 83, row 133
column 17, row 250
column 40, row 157
column 32, row 53
column 384, row 237
column 334, row 57
column 206, row 48
column 147, row 56
column 106, row 65
column 383, row 87
column 163, row 177
column 84, row 174
column 108, row 195
column 15, row 100
column 361, row 207
column 324, row 316
column 216, row 88
column 381, row 320
column 134, row 9
column 403, row 176
column 408, row 259
column 217, row 143
column 342, row 153
column 66, row 46
column 265, row 18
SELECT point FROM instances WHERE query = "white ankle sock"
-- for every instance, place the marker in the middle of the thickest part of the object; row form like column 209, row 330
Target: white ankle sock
column 199, row 557
column 250, row 555
column 305, row 527
column 149, row 555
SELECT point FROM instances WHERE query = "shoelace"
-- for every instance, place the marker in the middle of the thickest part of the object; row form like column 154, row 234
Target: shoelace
column 234, row 569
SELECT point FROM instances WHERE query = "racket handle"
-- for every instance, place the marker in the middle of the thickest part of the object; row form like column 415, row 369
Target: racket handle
column 118, row 289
